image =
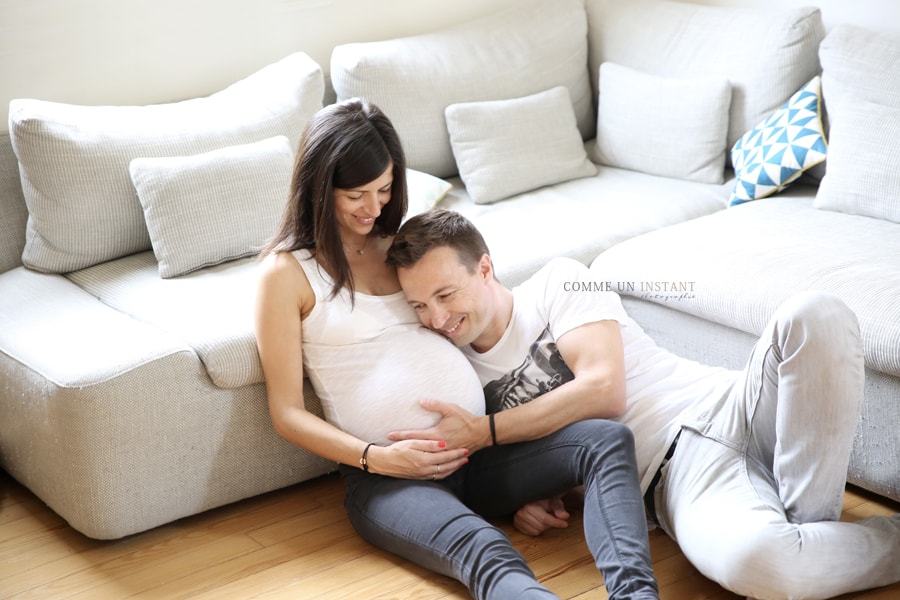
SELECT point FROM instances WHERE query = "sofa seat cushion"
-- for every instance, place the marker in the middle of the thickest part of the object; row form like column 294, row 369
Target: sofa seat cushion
column 582, row 217
column 63, row 334
column 210, row 310
column 737, row 266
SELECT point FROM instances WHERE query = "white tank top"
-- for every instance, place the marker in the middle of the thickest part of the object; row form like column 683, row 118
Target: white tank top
column 372, row 362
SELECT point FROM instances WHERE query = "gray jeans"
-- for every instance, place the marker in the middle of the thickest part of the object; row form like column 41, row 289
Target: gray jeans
column 441, row 525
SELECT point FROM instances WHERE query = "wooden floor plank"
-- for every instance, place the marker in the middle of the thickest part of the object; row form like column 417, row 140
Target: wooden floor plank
column 297, row 543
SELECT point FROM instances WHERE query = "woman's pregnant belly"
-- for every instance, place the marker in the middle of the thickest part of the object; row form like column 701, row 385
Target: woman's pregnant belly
column 371, row 388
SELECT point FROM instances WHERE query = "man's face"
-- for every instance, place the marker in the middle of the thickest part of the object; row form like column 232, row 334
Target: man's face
column 447, row 297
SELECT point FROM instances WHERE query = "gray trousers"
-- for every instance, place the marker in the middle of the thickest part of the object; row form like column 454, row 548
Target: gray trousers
column 441, row 525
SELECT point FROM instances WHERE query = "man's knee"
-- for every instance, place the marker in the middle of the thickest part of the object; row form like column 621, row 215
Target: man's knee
column 604, row 440
column 603, row 430
column 822, row 323
column 756, row 564
column 817, row 311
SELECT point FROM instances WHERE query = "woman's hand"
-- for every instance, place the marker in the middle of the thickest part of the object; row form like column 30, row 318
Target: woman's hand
column 416, row 459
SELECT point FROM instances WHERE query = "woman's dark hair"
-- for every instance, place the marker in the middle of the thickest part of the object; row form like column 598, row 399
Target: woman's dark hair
column 344, row 145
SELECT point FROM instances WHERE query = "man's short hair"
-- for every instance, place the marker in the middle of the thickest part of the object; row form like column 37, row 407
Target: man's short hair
column 435, row 229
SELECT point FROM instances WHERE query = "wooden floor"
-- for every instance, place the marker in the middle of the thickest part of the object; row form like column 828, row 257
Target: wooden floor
column 295, row 543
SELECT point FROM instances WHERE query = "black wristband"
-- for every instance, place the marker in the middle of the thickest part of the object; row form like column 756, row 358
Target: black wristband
column 364, row 461
column 493, row 429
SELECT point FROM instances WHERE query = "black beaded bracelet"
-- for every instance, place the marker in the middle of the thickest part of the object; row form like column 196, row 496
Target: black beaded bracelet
column 493, row 428
column 364, row 461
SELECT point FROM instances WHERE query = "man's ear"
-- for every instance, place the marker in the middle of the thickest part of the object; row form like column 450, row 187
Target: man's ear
column 486, row 267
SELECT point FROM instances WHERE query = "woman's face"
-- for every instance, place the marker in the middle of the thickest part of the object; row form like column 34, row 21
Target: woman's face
column 356, row 209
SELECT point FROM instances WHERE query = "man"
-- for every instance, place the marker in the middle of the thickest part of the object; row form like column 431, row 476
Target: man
column 745, row 470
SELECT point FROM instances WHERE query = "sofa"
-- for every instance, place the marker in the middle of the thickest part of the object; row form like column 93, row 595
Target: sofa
column 131, row 393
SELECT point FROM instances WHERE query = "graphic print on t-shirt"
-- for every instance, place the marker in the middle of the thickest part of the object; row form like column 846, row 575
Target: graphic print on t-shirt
column 542, row 370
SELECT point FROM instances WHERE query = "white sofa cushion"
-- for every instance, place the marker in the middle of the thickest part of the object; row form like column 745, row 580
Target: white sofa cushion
column 739, row 279
column 74, row 159
column 210, row 310
column 661, row 125
column 582, row 217
column 525, row 49
column 766, row 54
column 209, row 208
column 862, row 96
column 862, row 176
column 505, row 147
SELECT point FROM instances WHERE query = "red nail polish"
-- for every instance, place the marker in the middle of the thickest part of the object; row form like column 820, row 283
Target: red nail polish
column 442, row 444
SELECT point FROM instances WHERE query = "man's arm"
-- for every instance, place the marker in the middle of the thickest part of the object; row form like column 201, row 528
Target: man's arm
column 595, row 355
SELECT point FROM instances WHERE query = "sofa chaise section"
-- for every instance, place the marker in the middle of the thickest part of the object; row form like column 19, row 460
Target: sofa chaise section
column 116, row 424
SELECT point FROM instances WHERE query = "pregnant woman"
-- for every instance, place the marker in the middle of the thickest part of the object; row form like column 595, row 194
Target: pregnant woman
column 329, row 308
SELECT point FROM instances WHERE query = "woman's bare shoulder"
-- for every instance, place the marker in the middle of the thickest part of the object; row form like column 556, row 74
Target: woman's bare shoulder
column 281, row 273
column 282, row 267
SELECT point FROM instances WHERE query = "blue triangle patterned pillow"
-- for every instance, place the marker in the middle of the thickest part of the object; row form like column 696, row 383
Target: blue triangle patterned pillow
column 776, row 152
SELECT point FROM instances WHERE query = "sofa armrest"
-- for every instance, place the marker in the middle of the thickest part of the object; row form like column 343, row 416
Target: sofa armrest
column 56, row 329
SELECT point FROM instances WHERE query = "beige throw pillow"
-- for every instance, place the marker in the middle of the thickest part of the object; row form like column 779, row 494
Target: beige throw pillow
column 662, row 126
column 214, row 207
column 506, row 147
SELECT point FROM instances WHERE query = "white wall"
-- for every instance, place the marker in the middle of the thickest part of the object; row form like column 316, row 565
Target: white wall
column 145, row 51
column 883, row 15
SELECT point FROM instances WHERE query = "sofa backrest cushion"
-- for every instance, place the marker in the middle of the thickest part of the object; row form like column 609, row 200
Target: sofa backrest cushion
column 862, row 97
column 13, row 213
column 523, row 50
column 83, row 209
column 767, row 55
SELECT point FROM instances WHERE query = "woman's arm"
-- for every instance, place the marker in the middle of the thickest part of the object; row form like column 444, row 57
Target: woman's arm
column 284, row 298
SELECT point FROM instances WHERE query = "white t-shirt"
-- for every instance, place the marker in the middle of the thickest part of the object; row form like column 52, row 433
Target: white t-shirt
column 372, row 362
column 662, row 389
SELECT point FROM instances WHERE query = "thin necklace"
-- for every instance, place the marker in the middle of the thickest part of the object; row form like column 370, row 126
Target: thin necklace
column 362, row 250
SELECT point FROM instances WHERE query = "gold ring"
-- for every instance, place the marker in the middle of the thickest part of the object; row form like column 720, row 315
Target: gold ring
column 439, row 469
column 434, row 477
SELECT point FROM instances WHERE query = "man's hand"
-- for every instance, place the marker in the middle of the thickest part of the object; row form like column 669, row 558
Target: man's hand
column 537, row 517
column 458, row 427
